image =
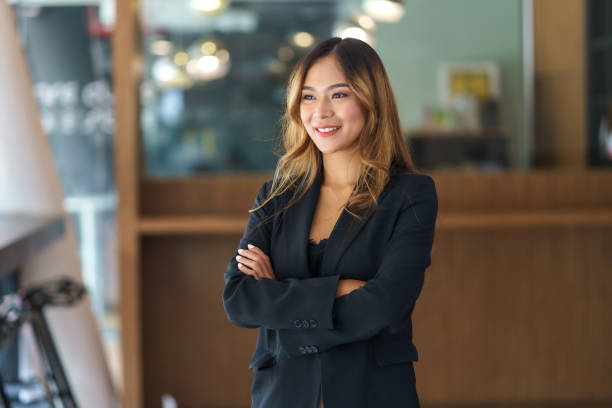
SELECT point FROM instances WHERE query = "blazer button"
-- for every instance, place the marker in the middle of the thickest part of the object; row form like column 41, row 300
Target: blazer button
column 297, row 323
column 305, row 324
column 314, row 324
column 302, row 350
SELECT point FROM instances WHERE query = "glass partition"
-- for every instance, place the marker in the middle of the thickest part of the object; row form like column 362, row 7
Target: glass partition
column 215, row 74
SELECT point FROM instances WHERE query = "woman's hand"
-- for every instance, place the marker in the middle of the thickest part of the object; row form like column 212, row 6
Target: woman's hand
column 346, row 286
column 255, row 262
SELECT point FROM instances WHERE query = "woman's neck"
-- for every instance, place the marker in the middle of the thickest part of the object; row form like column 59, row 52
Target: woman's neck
column 341, row 169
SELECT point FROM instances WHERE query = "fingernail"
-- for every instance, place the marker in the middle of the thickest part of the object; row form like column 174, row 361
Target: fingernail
column 251, row 246
column 240, row 251
column 238, row 257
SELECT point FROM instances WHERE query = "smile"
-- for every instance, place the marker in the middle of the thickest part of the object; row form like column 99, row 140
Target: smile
column 327, row 131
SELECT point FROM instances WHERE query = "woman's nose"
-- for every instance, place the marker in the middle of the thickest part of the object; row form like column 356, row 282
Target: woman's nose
column 323, row 109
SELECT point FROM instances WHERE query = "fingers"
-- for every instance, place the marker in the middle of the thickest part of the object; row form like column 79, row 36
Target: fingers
column 258, row 251
column 263, row 260
column 256, row 255
column 346, row 286
column 248, row 271
column 242, row 260
column 255, row 262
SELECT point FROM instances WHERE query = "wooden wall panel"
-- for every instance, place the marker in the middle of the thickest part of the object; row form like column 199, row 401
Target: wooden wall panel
column 524, row 191
column 505, row 315
column 190, row 349
column 200, row 195
column 461, row 191
column 516, row 315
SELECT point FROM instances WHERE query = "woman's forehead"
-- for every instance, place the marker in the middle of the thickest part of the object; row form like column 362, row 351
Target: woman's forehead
column 324, row 73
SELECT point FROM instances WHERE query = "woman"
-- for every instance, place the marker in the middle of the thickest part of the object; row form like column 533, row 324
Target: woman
column 335, row 248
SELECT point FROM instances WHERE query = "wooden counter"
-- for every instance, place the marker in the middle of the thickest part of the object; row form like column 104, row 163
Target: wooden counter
column 516, row 305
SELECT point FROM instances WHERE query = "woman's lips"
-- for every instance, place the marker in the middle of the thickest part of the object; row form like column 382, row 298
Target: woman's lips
column 327, row 130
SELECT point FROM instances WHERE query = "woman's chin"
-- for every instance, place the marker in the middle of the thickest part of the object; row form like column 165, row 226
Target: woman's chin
column 338, row 150
column 326, row 150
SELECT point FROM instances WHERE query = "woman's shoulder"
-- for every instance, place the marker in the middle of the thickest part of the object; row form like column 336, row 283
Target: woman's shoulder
column 415, row 191
column 264, row 192
column 409, row 187
column 264, row 189
column 278, row 200
column 403, row 179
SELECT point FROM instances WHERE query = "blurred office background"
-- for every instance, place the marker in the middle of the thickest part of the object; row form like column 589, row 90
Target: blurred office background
column 163, row 119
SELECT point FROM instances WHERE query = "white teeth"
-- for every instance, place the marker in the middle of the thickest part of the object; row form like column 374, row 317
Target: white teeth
column 325, row 130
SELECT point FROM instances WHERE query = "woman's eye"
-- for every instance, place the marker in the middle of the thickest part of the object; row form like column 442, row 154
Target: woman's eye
column 339, row 95
column 307, row 97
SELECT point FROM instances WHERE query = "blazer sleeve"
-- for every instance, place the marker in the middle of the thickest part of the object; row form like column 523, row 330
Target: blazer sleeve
column 386, row 301
column 272, row 304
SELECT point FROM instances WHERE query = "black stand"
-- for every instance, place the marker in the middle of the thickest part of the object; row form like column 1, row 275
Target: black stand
column 63, row 292
column 5, row 401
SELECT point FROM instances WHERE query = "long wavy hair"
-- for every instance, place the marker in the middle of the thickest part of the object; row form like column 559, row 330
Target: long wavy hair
column 381, row 142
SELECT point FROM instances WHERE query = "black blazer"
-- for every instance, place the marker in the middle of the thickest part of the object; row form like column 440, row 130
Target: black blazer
column 357, row 349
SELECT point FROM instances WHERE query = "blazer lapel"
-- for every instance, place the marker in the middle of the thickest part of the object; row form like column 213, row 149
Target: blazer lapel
column 298, row 222
column 299, row 219
column 346, row 229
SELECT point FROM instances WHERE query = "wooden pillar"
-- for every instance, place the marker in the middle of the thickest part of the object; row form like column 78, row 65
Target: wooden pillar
column 560, row 87
column 126, row 76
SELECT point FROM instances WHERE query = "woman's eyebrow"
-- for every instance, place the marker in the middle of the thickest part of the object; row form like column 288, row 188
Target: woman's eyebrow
column 339, row 85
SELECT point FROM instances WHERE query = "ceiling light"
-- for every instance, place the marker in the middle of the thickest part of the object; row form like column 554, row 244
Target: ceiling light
column 388, row 11
column 166, row 74
column 207, row 68
column 354, row 32
column 208, row 6
column 208, row 63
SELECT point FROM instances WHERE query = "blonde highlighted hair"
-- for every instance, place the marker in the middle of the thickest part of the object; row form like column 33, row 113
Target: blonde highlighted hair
column 381, row 142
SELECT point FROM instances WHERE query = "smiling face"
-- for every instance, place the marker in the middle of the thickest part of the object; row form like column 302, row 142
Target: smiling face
column 329, row 110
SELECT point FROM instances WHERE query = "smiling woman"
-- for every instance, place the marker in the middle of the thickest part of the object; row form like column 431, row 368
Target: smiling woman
column 341, row 84
column 335, row 249
column 329, row 108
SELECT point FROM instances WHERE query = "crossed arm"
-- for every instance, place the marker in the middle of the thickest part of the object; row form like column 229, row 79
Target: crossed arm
column 345, row 310
column 254, row 262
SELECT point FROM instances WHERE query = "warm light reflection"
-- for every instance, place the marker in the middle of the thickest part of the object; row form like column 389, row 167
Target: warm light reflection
column 303, row 39
column 161, row 47
column 366, row 22
column 208, row 47
column 181, row 58
column 192, row 67
column 223, row 56
column 285, row 53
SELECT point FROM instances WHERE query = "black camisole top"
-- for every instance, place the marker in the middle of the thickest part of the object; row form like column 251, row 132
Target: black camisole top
column 315, row 256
